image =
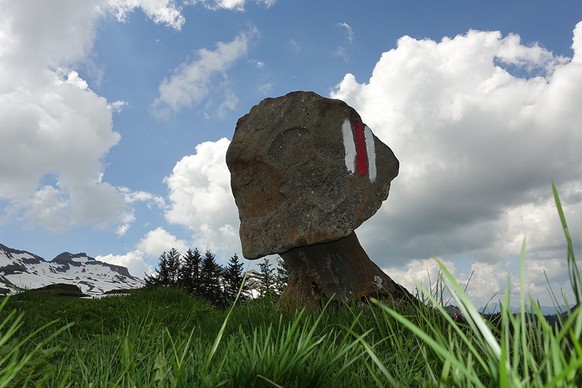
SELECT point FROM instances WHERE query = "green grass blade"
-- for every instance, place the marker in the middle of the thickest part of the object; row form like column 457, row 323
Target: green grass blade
column 218, row 337
column 434, row 345
column 575, row 279
column 368, row 348
column 470, row 313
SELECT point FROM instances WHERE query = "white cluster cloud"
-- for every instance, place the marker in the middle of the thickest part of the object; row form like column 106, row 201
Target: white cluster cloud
column 134, row 261
column 51, row 125
column 191, row 81
column 160, row 11
column 201, row 198
column 233, row 5
column 158, row 241
column 55, row 131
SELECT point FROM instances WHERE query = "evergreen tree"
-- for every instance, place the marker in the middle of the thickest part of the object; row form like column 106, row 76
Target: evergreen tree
column 267, row 279
column 233, row 278
column 166, row 274
column 173, row 260
column 281, row 276
column 210, row 273
column 160, row 275
column 190, row 272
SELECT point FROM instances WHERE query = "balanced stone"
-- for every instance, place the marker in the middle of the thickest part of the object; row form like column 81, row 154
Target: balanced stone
column 305, row 172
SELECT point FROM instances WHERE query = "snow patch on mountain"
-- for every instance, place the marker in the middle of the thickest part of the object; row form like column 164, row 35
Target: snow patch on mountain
column 22, row 270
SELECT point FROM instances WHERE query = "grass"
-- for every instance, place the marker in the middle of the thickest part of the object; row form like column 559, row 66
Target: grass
column 166, row 338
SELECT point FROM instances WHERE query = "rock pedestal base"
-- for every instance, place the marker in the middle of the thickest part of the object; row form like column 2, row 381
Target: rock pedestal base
column 338, row 270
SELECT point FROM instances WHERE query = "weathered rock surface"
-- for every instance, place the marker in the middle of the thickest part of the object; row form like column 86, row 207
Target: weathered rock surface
column 305, row 170
column 339, row 269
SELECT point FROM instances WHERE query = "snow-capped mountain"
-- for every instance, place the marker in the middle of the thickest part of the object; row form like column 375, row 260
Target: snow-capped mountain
column 21, row 270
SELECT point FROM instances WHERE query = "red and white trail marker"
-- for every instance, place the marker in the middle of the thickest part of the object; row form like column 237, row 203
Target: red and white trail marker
column 360, row 153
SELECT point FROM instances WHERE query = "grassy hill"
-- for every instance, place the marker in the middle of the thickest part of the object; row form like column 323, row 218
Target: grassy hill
column 165, row 337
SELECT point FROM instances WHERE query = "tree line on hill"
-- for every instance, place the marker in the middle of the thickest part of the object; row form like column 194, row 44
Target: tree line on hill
column 201, row 275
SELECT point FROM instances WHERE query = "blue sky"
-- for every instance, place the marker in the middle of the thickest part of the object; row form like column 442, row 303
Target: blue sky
column 115, row 116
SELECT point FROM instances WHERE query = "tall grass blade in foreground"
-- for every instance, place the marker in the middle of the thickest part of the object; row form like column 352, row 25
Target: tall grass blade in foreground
column 13, row 361
column 573, row 270
column 223, row 326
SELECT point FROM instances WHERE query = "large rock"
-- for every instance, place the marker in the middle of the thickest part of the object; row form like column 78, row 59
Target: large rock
column 305, row 170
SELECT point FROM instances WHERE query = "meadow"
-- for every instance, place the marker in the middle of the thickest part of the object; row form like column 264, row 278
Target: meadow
column 164, row 337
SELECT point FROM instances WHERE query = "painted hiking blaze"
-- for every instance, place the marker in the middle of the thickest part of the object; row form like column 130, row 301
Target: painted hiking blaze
column 359, row 147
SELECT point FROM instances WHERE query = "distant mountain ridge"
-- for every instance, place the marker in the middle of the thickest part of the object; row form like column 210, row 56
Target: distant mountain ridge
column 22, row 270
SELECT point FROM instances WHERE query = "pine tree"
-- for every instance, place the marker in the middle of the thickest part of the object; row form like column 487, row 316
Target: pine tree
column 266, row 279
column 173, row 262
column 233, row 278
column 160, row 274
column 210, row 273
column 281, row 276
column 164, row 273
column 190, row 272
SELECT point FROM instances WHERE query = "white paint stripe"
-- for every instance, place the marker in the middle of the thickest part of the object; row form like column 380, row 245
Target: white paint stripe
column 349, row 146
column 371, row 150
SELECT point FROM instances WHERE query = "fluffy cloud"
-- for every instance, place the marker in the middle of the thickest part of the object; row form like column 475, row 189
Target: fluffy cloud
column 59, row 130
column 159, row 241
column 134, row 261
column 150, row 248
column 160, row 11
column 190, row 83
column 233, row 5
column 55, row 130
column 481, row 125
column 201, row 199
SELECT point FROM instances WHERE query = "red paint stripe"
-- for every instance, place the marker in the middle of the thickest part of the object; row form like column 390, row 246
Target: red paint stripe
column 361, row 153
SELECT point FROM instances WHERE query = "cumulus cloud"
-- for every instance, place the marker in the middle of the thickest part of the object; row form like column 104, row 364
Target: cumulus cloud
column 481, row 124
column 150, row 247
column 55, row 130
column 191, row 81
column 159, row 241
column 134, row 261
column 58, row 129
column 201, row 199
